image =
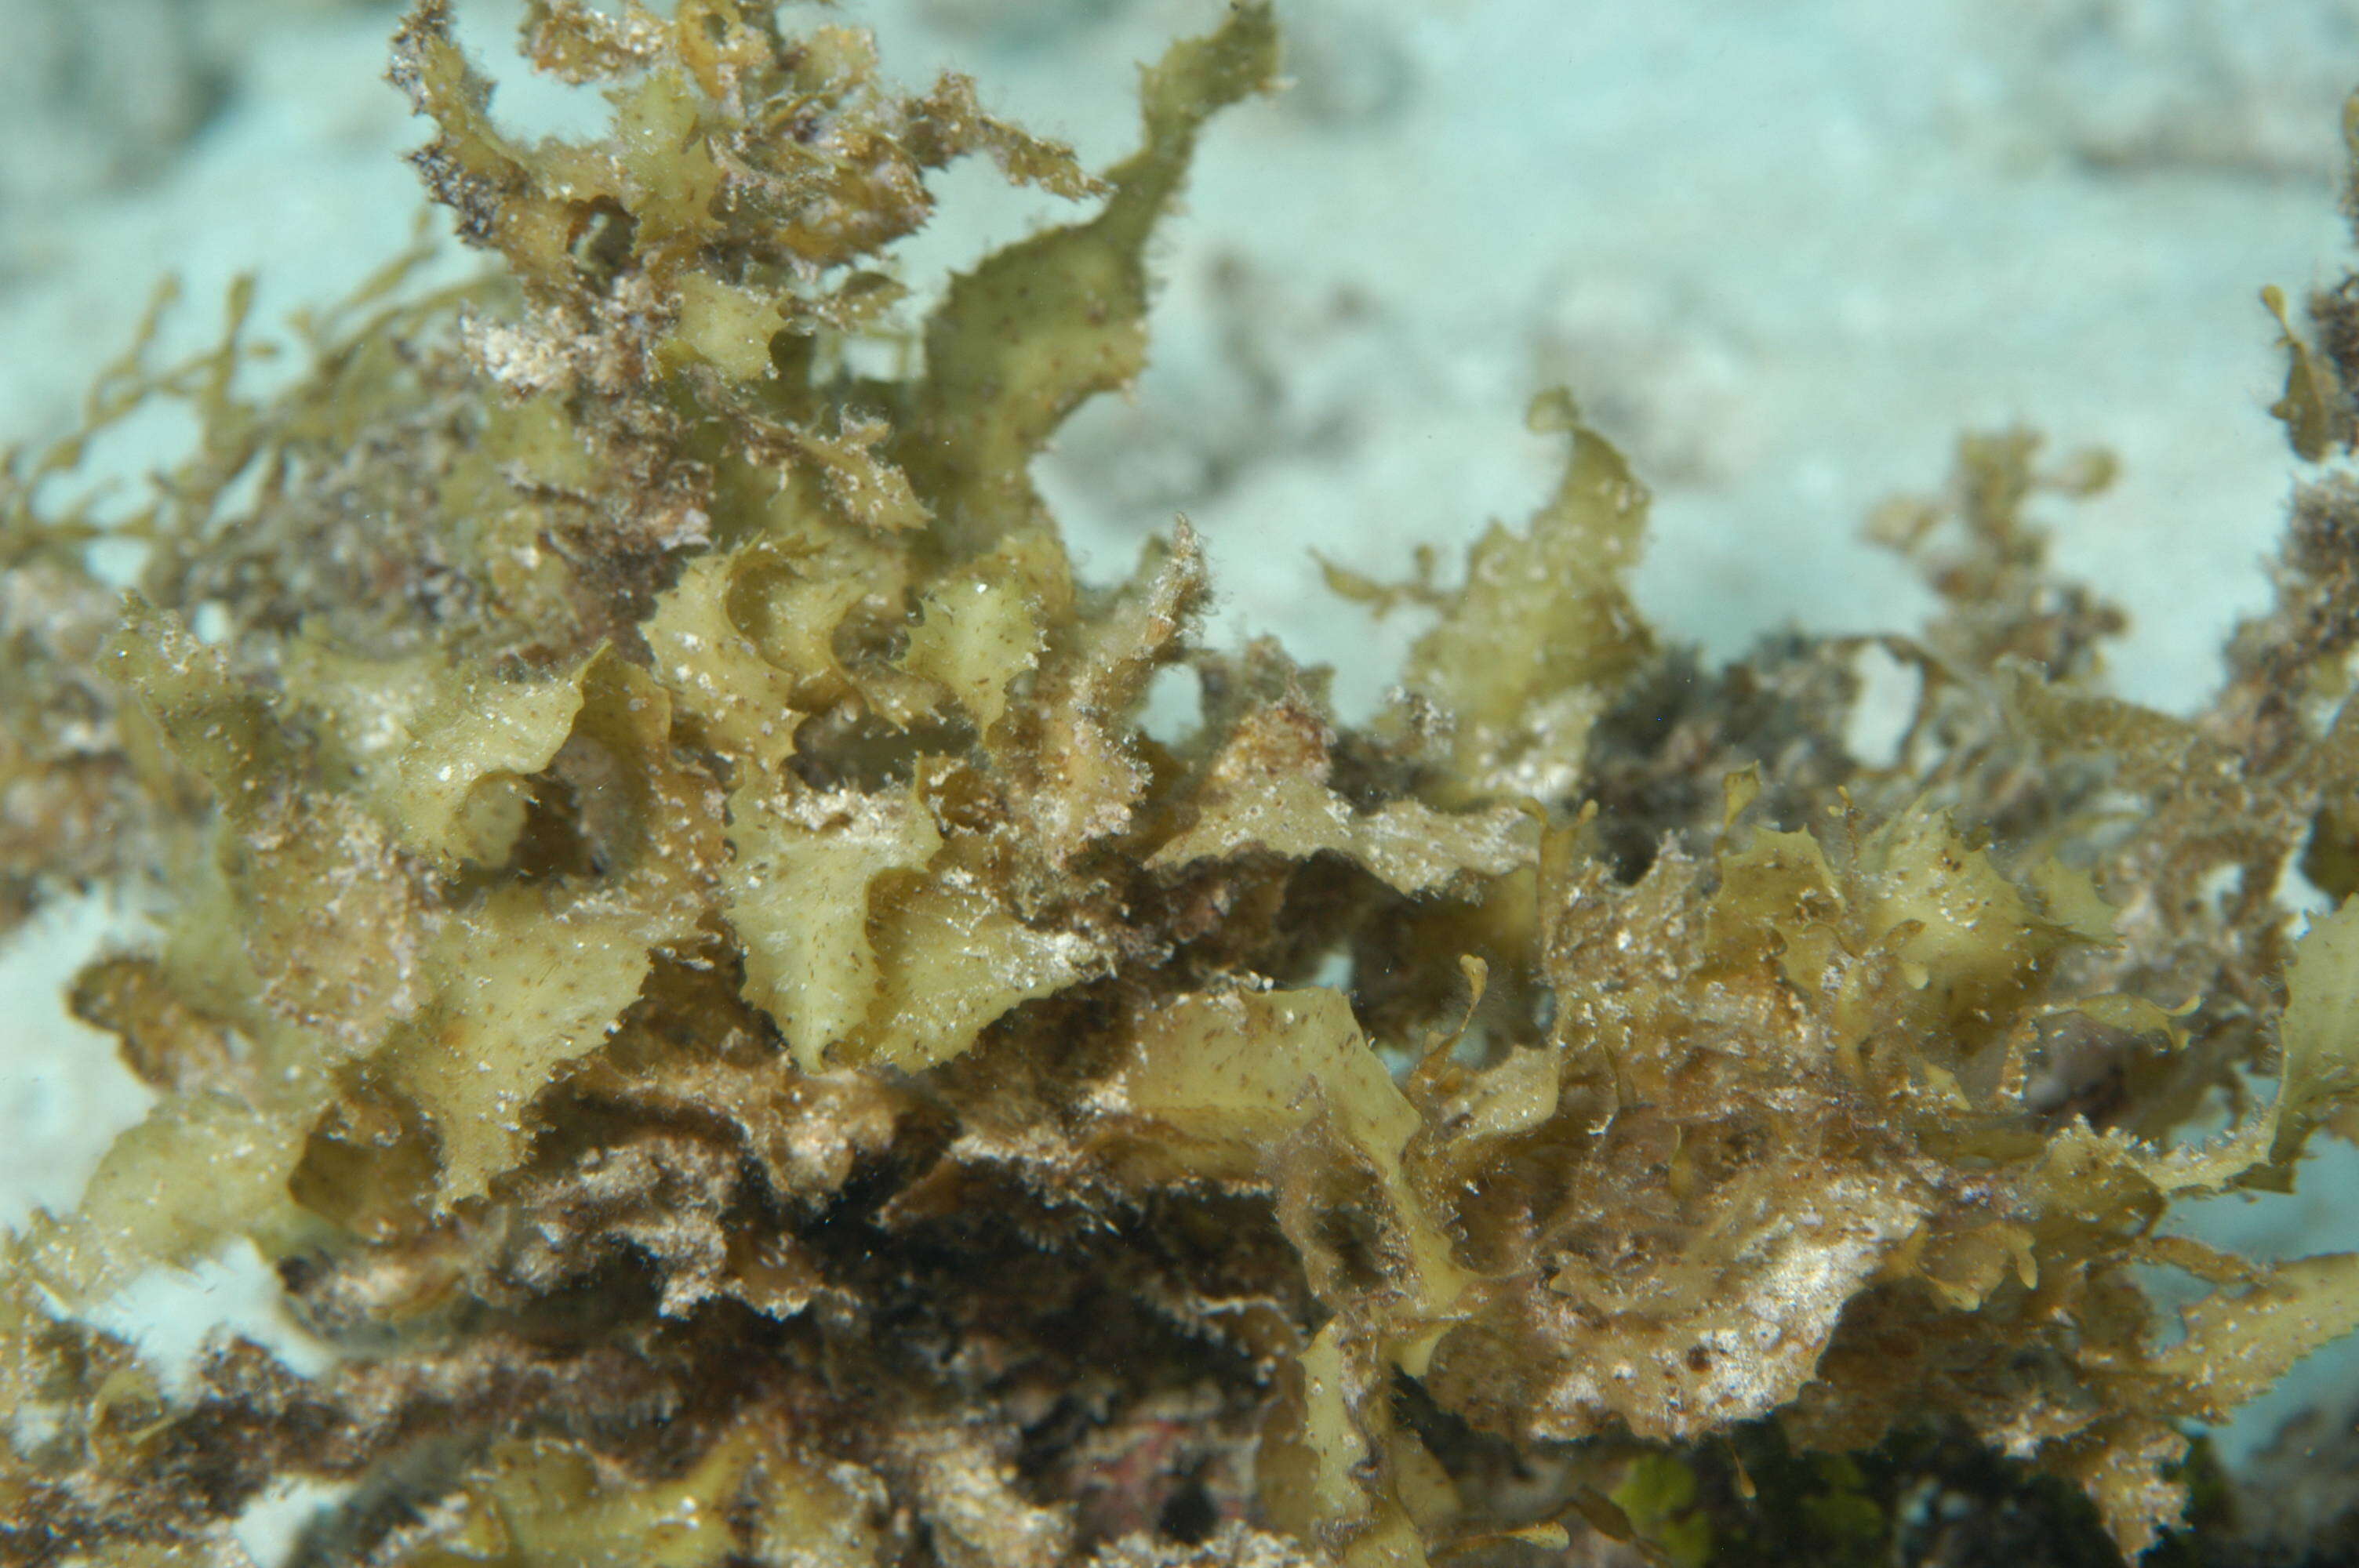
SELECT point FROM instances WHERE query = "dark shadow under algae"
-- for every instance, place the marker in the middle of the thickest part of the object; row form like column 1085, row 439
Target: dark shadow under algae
column 675, row 944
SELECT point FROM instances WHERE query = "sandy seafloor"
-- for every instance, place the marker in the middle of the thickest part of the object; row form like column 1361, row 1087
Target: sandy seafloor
column 1783, row 250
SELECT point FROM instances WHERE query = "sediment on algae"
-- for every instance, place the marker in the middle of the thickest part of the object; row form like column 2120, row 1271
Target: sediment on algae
column 674, row 942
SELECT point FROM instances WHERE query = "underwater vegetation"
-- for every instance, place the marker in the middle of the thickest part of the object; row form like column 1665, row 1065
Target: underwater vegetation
column 673, row 941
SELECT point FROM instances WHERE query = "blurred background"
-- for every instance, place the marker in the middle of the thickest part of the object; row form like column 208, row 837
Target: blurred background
column 1783, row 251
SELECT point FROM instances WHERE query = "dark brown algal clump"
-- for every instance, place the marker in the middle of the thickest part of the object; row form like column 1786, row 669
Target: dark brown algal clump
column 673, row 940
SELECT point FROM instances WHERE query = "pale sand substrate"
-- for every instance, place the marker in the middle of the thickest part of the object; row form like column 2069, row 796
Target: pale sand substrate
column 1784, row 252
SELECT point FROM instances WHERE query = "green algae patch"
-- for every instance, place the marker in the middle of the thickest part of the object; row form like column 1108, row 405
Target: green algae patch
column 1525, row 653
column 672, row 940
